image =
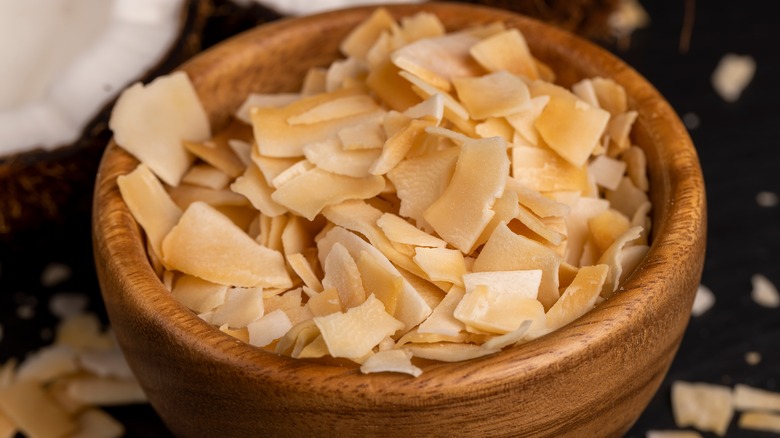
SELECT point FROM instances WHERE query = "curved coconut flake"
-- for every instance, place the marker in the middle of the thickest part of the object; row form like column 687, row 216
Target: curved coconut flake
column 512, row 338
column 607, row 172
column 507, row 251
column 577, row 227
column 539, row 204
column 353, row 334
column 579, row 297
column 208, row 245
column 606, row 227
column 269, row 328
column 150, row 204
column 507, row 51
column 332, row 189
column 364, row 36
column 275, row 137
column 304, row 270
column 584, row 90
column 453, row 110
column 386, row 81
column 342, row 274
column 329, row 155
column 411, row 308
column 524, row 121
column 544, row 171
column 399, row 230
column 295, row 236
column 341, row 74
column 506, row 208
column 151, row 122
column 197, row 294
column 396, row 361
column 431, row 108
column 636, row 167
column 441, row 264
column 611, row 257
column 618, row 129
column 185, row 194
column 571, row 127
column 325, row 302
column 271, row 167
column 398, row 145
column 241, row 307
column 611, row 95
column 448, row 352
column 258, row 100
column 219, row 154
column 438, row 60
column 464, row 209
column 538, row 227
column 377, row 280
column 206, row 175
column 58, row 80
column 494, row 95
column 630, row 258
column 498, row 312
column 253, row 186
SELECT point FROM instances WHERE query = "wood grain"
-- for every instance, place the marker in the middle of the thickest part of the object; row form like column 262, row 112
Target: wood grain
column 590, row 378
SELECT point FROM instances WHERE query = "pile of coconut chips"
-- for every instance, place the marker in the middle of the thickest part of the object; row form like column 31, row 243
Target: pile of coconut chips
column 431, row 195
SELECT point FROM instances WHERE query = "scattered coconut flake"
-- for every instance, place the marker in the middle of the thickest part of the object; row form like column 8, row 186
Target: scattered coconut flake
column 764, row 292
column 749, row 398
column 95, row 423
column 732, row 75
column 707, row 407
column 703, row 301
column 47, row 364
column 398, row 361
column 691, row 120
column 753, row 358
column 627, row 17
column 28, row 406
column 762, row 421
column 767, row 199
column 66, row 304
column 270, row 327
column 25, row 311
column 106, row 363
column 55, row 274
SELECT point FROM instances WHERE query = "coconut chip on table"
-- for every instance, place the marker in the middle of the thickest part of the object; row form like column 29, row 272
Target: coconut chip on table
column 408, row 248
column 58, row 390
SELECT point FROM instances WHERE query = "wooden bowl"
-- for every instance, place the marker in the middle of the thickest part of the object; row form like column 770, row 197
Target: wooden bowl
column 590, row 378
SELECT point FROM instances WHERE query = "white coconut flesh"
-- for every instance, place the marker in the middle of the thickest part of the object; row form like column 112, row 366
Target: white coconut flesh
column 63, row 60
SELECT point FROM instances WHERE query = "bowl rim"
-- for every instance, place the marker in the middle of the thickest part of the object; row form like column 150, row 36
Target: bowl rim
column 678, row 240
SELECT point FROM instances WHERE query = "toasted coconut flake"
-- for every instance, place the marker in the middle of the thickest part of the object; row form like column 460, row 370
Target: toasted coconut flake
column 184, row 195
column 387, row 82
column 704, row 406
column 627, row 198
column 585, row 90
column 398, row 230
column 421, row 25
column 27, row 406
column 495, row 127
column 342, row 274
column 494, row 95
column 438, row 60
column 151, row 121
column 763, row 421
column 275, row 137
column 512, row 338
column 539, row 204
column 254, row 187
column 342, row 74
column 441, row 264
column 630, row 258
column 271, row 167
column 150, row 205
column 497, row 309
column 353, row 334
column 507, row 251
column 411, row 308
column 636, row 167
column 47, row 364
column 314, row 82
column 472, row 187
column 534, row 224
column 105, row 392
column 256, row 100
column 524, row 121
column 618, row 129
column 241, row 307
column 611, row 95
column 290, row 173
column 304, row 270
column 506, row 51
column 420, row 181
column 448, row 352
column 270, row 327
column 398, row 145
column 332, row 189
column 362, row 38
column 96, row 423
column 377, row 280
column 206, row 175
column 337, row 108
column 316, row 348
column 83, row 332
column 580, row 296
column 611, row 257
column 442, row 321
column 582, row 211
column 606, row 227
column 207, row 244
column 325, row 303
column 521, row 283
column 106, row 363
column 732, row 75
column 218, row 152
column 749, row 398
column 544, row 171
column 571, row 127
column 398, row 361
column 453, row 110
column 764, row 292
column 367, row 135
column 431, row 108
column 607, row 172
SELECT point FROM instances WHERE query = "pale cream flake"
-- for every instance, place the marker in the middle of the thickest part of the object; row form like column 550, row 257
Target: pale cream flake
column 703, row 301
column 705, row 406
column 732, row 75
column 764, row 292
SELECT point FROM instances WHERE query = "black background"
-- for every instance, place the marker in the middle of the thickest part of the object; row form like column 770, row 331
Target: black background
column 739, row 148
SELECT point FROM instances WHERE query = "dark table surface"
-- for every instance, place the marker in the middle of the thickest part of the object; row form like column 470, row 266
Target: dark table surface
column 739, row 148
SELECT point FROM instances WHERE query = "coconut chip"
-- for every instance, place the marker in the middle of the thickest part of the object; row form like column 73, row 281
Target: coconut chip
column 398, row 361
column 732, row 75
column 703, row 301
column 749, row 398
column 762, row 421
column 704, row 406
column 764, row 292
column 672, row 434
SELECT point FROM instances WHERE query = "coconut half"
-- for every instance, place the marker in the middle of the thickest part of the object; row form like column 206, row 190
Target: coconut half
column 63, row 63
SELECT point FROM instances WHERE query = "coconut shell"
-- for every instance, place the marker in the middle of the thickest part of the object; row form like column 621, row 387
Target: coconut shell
column 41, row 188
